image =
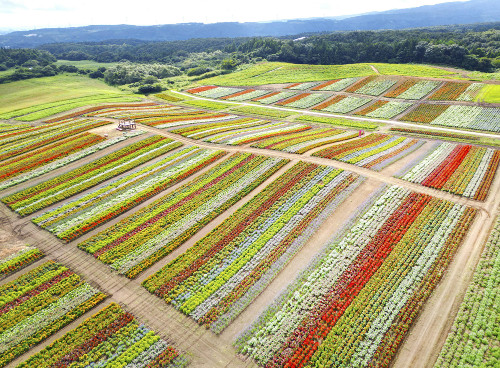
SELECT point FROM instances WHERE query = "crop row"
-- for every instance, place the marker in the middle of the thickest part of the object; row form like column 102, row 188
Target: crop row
column 218, row 277
column 305, row 141
column 373, row 151
column 470, row 117
column 355, row 303
column 425, row 113
column 459, row 169
column 344, row 105
column 41, row 170
column 302, row 86
column 247, row 94
column 304, row 100
column 205, row 129
column 18, row 260
column 450, row 91
column 376, row 86
column 389, row 110
column 274, row 97
column 336, row 85
column 413, row 89
column 249, row 135
column 87, row 212
column 473, row 339
column 218, row 92
column 110, row 338
column 138, row 241
column 471, row 92
column 84, row 177
column 432, row 133
column 39, row 303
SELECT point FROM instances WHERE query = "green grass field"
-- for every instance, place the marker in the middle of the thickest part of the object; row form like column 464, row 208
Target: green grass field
column 85, row 64
column 489, row 93
column 54, row 95
column 270, row 73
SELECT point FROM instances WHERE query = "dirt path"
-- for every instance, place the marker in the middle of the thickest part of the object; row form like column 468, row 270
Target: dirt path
column 375, row 69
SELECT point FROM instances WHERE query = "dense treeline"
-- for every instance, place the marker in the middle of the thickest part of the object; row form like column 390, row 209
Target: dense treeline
column 473, row 47
column 24, row 57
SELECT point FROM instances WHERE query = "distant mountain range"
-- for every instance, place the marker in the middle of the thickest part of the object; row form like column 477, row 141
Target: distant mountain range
column 473, row 11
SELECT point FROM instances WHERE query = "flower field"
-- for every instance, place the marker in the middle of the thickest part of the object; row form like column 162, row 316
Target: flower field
column 388, row 110
column 42, row 195
column 60, row 162
column 425, row 113
column 344, row 105
column 355, row 303
column 450, row 91
column 217, row 278
column 26, row 140
column 87, row 212
column 303, row 86
column 375, row 87
column 329, row 102
column 473, row 340
column 249, row 135
column 459, row 169
column 18, row 260
column 413, row 89
column 374, row 151
column 138, row 241
column 471, row 92
column 217, row 92
column 205, row 129
column 470, row 117
column 304, row 101
column 39, row 303
column 274, row 97
column 336, row 85
column 247, row 94
column 305, row 141
column 110, row 338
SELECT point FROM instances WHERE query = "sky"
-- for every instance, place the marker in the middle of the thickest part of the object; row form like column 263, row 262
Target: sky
column 32, row 14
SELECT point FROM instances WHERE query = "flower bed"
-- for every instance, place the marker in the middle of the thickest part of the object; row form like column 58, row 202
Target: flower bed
column 111, row 338
column 374, row 151
column 471, row 92
column 473, row 340
column 87, row 212
column 224, row 272
column 355, row 303
column 303, row 86
column 329, row 102
column 376, row 86
column 218, row 92
column 336, row 85
column 425, row 113
column 413, row 89
column 459, row 169
column 138, row 241
column 303, row 142
column 432, row 133
column 51, row 191
column 346, row 104
column 248, row 135
column 38, row 304
column 274, row 97
column 450, row 91
column 19, row 260
column 93, row 109
column 470, row 117
column 202, row 130
column 308, row 101
column 389, row 110
column 247, row 94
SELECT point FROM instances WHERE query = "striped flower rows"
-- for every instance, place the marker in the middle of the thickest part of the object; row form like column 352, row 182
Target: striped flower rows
column 205, row 129
column 373, row 151
column 459, row 169
column 376, row 87
column 247, row 94
column 305, row 100
column 305, row 141
column 38, row 304
column 336, row 85
column 84, row 177
column 413, row 89
column 18, row 260
column 450, row 91
column 274, row 97
column 17, row 143
column 389, row 110
column 138, row 241
column 470, row 117
column 303, row 86
column 218, row 92
column 66, row 160
column 473, row 340
column 425, row 113
column 248, row 135
column 354, row 305
column 218, row 277
column 109, row 338
column 471, row 92
column 44, row 155
column 87, row 212
column 344, row 105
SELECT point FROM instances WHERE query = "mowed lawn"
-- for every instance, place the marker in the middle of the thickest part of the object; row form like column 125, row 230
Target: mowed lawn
column 55, row 94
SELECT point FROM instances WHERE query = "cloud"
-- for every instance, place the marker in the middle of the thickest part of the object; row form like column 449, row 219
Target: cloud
column 7, row 6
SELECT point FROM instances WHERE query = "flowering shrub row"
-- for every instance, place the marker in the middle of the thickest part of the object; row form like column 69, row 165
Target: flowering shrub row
column 109, row 338
column 355, row 303
column 223, row 273
column 413, row 89
column 373, row 151
column 307, row 100
column 44, row 155
column 336, row 85
column 75, row 181
column 205, row 129
column 450, row 91
column 41, row 170
column 474, row 337
column 18, row 260
column 138, row 241
column 459, row 169
column 247, row 94
column 38, row 304
column 343, row 105
column 360, row 83
column 248, row 135
column 87, row 212
column 274, row 97
column 303, row 142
